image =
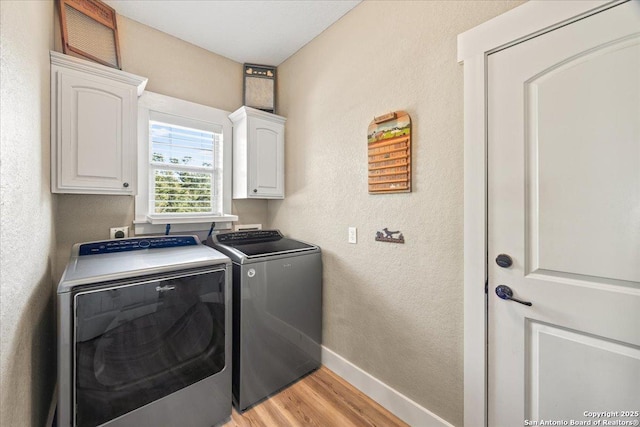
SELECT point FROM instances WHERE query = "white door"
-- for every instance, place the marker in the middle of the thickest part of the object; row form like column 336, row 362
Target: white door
column 96, row 148
column 266, row 158
column 564, row 205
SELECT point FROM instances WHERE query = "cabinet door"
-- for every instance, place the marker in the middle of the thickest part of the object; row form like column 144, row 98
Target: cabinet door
column 266, row 159
column 95, row 143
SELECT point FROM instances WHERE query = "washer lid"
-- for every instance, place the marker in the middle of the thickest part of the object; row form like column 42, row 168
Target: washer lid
column 99, row 266
column 260, row 243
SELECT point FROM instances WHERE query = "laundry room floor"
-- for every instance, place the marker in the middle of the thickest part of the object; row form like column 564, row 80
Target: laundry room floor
column 321, row 398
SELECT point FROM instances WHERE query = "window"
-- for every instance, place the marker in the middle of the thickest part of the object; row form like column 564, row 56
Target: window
column 184, row 169
column 184, row 166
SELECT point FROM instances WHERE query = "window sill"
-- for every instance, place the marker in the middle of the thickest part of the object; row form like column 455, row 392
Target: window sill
column 193, row 219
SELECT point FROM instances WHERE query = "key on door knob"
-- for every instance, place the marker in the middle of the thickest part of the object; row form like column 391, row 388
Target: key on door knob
column 506, row 293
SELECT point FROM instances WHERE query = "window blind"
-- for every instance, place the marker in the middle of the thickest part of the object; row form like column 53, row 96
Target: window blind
column 184, row 169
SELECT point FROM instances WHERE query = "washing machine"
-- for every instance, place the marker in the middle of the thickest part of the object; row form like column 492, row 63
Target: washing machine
column 277, row 311
column 144, row 334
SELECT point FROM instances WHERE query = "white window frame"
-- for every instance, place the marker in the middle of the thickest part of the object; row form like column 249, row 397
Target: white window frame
column 154, row 106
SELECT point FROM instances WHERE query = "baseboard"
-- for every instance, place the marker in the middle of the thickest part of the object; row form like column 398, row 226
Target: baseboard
column 396, row 403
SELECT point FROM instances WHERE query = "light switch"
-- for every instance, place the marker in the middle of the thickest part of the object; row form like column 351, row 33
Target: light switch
column 353, row 235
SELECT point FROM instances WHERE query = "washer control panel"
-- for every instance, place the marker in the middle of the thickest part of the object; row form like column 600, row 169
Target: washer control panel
column 248, row 236
column 136, row 244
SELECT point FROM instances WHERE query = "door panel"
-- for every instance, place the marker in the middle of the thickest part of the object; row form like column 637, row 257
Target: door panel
column 94, row 129
column 568, row 363
column 581, row 118
column 266, row 158
column 99, row 136
column 267, row 150
column 564, row 203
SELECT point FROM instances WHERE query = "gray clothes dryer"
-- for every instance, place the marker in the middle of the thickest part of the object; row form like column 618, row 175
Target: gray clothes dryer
column 277, row 311
column 144, row 334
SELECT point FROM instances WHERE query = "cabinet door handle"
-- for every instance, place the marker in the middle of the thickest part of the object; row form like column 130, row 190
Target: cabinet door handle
column 125, row 185
column 255, row 190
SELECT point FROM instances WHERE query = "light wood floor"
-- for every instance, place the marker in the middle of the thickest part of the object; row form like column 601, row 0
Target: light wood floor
column 321, row 399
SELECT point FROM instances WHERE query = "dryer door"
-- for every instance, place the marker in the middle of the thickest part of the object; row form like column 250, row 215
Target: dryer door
column 136, row 342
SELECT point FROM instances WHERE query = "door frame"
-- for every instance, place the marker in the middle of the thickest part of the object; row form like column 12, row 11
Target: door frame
column 515, row 26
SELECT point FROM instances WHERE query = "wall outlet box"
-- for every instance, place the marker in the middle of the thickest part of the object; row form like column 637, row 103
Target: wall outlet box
column 119, row 232
column 353, row 235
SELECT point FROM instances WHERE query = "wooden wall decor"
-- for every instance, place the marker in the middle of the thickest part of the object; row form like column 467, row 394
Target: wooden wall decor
column 259, row 87
column 89, row 30
column 389, row 144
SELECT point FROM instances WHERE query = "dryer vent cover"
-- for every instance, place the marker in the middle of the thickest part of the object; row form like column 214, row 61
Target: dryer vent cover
column 89, row 30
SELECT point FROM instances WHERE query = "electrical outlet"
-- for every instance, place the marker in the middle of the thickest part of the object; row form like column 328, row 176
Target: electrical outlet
column 353, row 235
column 119, row 232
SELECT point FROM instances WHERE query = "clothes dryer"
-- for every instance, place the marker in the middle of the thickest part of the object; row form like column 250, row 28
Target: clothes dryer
column 144, row 334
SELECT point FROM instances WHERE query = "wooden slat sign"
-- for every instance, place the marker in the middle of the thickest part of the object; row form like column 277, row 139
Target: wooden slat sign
column 389, row 144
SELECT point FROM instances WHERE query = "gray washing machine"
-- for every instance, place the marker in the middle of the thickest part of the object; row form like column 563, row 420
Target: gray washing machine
column 144, row 334
column 277, row 311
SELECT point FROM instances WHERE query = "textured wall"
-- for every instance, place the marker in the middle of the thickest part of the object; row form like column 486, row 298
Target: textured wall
column 27, row 335
column 174, row 68
column 179, row 69
column 394, row 310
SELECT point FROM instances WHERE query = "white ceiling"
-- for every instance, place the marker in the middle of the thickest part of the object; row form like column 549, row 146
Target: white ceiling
column 247, row 31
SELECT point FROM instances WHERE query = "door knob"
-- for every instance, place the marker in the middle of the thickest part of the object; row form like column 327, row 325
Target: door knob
column 506, row 293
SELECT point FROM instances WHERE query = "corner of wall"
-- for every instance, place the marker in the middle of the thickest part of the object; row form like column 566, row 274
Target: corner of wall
column 27, row 318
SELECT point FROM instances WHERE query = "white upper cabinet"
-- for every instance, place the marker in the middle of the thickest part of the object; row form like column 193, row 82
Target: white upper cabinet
column 93, row 127
column 258, row 154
